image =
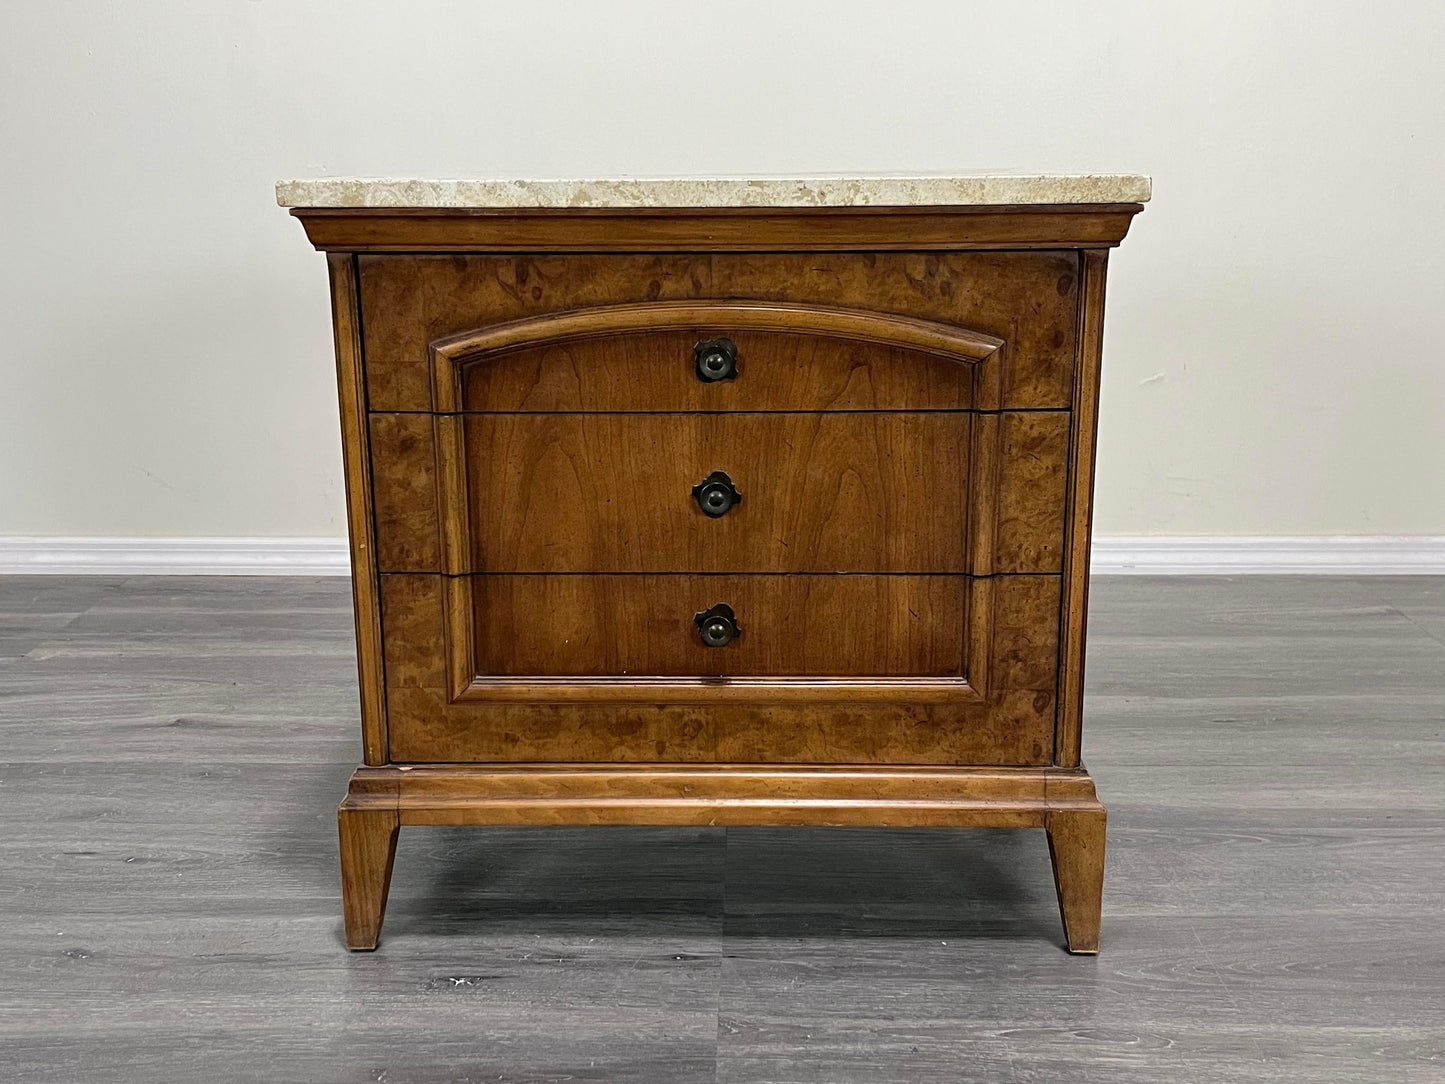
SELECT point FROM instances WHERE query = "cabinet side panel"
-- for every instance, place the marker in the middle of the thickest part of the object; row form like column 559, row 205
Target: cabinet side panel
column 356, row 460
column 1082, row 447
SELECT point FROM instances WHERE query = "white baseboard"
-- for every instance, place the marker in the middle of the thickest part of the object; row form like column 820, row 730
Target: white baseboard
column 1241, row 555
column 176, row 556
column 1137, row 555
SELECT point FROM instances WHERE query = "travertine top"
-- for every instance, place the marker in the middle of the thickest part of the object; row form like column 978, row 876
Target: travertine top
column 907, row 190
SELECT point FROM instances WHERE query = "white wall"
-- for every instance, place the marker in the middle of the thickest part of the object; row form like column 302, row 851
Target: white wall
column 1275, row 356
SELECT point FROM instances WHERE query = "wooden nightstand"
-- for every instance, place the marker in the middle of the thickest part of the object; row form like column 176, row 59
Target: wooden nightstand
column 720, row 502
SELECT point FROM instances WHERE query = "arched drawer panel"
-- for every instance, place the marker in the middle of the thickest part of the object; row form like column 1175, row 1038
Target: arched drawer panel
column 784, row 357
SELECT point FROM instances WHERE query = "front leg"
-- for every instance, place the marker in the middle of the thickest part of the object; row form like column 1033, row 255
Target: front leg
column 1076, row 846
column 368, row 846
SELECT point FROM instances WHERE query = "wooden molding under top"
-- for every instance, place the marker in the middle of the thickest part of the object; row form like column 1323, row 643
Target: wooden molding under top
column 716, row 229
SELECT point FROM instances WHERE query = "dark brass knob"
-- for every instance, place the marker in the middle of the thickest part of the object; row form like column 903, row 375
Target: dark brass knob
column 717, row 625
column 716, row 493
column 715, row 359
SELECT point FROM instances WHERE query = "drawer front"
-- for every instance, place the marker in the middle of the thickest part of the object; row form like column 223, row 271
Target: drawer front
column 657, row 370
column 939, row 669
column 821, row 492
column 825, row 625
column 1026, row 300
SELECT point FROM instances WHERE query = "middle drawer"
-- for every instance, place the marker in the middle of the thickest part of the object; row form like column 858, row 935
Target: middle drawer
column 819, row 492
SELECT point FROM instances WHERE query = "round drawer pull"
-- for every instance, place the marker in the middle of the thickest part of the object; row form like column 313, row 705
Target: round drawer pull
column 715, row 359
column 717, row 625
column 716, row 494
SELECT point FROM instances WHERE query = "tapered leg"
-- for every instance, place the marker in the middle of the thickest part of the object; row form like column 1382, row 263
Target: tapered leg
column 1076, row 846
column 368, row 846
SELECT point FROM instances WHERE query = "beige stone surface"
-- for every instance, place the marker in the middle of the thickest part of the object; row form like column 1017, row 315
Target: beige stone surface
column 909, row 190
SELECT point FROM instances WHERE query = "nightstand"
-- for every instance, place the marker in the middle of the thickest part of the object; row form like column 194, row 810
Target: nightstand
column 720, row 502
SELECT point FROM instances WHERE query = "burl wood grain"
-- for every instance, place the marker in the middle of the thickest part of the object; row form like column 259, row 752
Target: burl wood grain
column 1025, row 298
column 1012, row 725
column 824, row 625
column 821, row 492
column 410, row 301
column 404, row 484
column 1033, row 453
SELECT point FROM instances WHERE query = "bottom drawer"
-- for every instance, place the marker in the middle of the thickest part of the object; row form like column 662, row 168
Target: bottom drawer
column 866, row 669
column 819, row 625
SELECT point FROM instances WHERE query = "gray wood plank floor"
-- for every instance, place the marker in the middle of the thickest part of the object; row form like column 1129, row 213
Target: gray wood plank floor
column 1272, row 752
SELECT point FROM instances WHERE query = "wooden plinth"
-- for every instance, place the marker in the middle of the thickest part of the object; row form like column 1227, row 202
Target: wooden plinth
column 1062, row 801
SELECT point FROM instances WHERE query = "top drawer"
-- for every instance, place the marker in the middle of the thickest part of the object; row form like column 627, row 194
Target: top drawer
column 1022, row 302
column 709, row 365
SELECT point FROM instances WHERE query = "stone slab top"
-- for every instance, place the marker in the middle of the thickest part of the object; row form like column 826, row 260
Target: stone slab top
column 857, row 190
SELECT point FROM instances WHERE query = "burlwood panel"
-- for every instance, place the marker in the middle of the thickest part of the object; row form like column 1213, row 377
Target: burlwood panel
column 1024, row 298
column 406, row 498
column 655, row 371
column 819, row 626
column 822, row 492
column 409, row 301
column 1033, row 464
column 1013, row 725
